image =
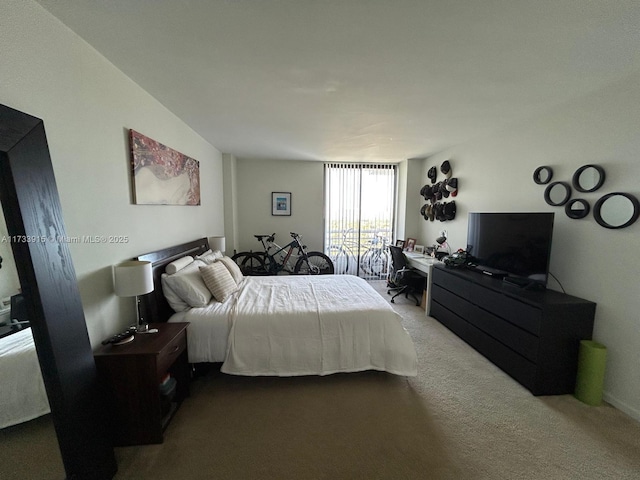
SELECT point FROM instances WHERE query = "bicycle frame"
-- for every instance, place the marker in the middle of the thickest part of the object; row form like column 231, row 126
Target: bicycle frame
column 276, row 265
column 276, row 259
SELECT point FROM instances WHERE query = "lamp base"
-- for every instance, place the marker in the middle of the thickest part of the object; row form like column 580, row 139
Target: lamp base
column 142, row 328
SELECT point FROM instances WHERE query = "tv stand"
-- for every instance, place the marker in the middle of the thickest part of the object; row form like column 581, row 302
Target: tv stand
column 534, row 336
column 524, row 283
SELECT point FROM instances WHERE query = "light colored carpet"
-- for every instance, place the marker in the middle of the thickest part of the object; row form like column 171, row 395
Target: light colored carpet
column 460, row 418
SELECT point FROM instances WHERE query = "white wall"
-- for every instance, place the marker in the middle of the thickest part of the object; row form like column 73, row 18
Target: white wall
column 230, row 175
column 88, row 106
column 413, row 222
column 598, row 264
column 402, row 201
column 256, row 179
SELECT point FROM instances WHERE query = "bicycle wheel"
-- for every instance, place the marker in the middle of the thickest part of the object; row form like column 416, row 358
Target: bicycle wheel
column 250, row 263
column 239, row 257
column 365, row 262
column 318, row 264
column 340, row 259
column 378, row 263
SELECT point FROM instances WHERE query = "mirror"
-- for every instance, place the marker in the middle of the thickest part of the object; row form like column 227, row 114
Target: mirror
column 616, row 210
column 577, row 208
column 33, row 214
column 557, row 193
column 542, row 175
column 588, row 178
column 9, row 282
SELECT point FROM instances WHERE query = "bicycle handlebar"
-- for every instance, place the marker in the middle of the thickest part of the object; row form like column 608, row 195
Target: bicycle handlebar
column 271, row 238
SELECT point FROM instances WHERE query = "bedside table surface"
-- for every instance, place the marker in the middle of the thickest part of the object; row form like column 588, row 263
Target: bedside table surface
column 145, row 343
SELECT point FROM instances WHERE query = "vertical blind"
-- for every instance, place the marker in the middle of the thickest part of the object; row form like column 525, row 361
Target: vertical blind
column 359, row 216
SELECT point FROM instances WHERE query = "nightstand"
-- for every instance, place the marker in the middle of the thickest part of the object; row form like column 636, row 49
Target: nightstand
column 131, row 375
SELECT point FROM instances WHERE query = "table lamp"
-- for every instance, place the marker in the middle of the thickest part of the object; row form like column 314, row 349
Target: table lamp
column 132, row 279
column 442, row 243
column 217, row 243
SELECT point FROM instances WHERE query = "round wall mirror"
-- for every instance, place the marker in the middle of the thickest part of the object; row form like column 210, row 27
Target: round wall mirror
column 557, row 193
column 577, row 208
column 616, row 210
column 588, row 178
column 542, row 175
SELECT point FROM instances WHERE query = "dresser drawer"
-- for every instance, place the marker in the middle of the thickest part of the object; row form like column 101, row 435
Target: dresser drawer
column 519, row 340
column 451, row 282
column 456, row 304
column 519, row 313
column 517, row 366
column 169, row 353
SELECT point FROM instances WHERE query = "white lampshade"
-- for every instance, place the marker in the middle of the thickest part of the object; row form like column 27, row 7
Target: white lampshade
column 217, row 243
column 132, row 278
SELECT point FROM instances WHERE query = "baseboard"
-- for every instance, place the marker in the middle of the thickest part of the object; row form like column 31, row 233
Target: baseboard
column 623, row 407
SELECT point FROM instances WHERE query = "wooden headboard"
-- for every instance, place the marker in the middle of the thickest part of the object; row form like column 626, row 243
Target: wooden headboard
column 153, row 306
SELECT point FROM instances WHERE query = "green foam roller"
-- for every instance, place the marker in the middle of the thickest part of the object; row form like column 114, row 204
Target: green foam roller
column 592, row 359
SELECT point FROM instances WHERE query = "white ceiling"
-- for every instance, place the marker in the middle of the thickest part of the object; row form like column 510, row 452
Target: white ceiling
column 359, row 80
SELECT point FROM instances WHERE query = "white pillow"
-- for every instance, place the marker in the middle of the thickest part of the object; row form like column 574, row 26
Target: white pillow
column 233, row 268
column 178, row 265
column 210, row 256
column 219, row 281
column 189, row 286
column 172, row 297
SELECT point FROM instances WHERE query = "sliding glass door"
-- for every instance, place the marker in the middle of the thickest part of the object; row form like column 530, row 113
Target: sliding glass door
column 359, row 208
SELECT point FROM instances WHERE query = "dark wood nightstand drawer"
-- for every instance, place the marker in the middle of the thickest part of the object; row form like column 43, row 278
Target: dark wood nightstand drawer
column 131, row 375
column 168, row 354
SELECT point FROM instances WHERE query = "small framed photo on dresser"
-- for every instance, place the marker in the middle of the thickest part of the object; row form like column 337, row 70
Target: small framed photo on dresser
column 410, row 245
column 418, row 249
column 400, row 243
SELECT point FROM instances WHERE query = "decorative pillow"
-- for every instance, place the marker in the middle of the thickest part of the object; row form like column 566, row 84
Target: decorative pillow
column 233, row 268
column 187, row 283
column 210, row 256
column 178, row 265
column 172, row 297
column 219, row 281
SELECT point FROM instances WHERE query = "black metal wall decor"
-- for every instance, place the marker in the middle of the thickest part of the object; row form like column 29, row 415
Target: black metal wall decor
column 577, row 208
column 613, row 210
column 543, row 175
column 588, row 178
column 557, row 193
column 616, row 210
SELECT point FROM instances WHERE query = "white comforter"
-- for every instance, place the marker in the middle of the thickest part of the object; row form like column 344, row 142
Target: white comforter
column 307, row 325
column 22, row 393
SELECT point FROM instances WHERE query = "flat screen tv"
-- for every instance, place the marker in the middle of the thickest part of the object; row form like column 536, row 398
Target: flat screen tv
column 512, row 245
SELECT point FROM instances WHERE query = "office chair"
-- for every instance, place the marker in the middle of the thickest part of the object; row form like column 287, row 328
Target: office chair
column 402, row 278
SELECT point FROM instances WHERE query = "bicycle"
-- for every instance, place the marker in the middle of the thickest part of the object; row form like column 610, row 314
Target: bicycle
column 374, row 259
column 276, row 259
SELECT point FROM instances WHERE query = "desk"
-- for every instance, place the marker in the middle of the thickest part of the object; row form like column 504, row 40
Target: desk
column 424, row 264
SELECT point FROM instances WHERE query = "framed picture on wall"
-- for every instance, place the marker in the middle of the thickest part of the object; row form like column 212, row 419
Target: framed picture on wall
column 410, row 245
column 161, row 175
column 280, row 203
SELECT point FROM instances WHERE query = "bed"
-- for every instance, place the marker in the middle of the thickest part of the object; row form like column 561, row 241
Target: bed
column 22, row 396
column 287, row 325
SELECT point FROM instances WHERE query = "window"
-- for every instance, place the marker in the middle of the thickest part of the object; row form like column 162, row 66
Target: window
column 359, row 208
